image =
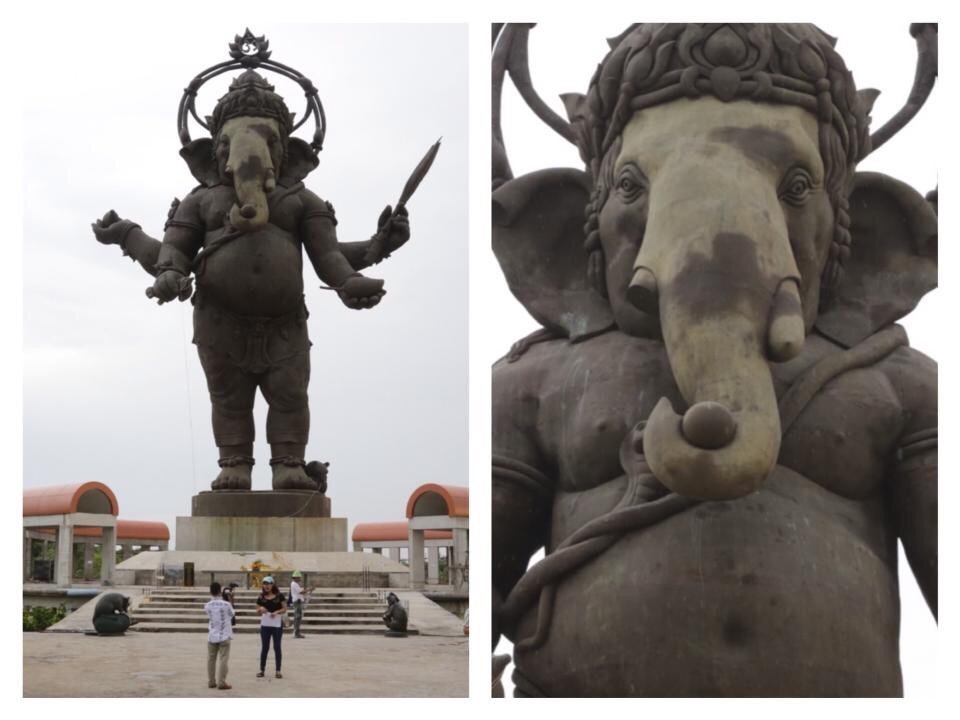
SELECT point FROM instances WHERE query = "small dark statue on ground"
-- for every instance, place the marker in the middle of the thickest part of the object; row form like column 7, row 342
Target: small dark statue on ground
column 110, row 614
column 241, row 233
column 720, row 433
column 395, row 618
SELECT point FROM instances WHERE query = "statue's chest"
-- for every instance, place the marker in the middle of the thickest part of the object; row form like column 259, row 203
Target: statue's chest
column 844, row 440
column 846, row 437
column 284, row 211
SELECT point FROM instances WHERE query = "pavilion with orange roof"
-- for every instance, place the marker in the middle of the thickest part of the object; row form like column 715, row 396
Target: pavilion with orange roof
column 438, row 516
column 83, row 513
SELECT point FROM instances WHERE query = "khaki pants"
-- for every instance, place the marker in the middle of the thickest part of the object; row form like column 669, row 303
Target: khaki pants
column 213, row 650
column 297, row 617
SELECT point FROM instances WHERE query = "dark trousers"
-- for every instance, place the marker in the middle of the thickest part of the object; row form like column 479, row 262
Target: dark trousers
column 265, row 634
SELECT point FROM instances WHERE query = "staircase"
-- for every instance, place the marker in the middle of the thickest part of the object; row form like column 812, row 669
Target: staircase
column 329, row 611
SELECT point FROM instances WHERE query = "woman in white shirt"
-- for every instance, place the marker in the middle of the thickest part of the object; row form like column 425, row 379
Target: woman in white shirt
column 271, row 606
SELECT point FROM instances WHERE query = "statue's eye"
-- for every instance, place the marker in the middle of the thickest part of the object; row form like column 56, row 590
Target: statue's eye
column 630, row 184
column 796, row 186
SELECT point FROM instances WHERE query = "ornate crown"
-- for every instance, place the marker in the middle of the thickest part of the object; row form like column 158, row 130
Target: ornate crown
column 250, row 93
column 791, row 64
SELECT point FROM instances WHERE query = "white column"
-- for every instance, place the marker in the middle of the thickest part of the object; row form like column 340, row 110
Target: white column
column 357, row 547
column 433, row 565
column 126, row 552
column 416, row 559
column 108, row 554
column 64, row 562
column 27, row 557
column 459, row 560
column 395, row 553
column 87, row 559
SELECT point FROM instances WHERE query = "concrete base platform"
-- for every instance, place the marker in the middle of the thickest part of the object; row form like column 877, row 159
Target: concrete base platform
column 146, row 665
column 283, row 534
column 320, row 569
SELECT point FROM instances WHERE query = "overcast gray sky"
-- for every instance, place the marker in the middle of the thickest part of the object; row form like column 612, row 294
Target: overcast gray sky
column 113, row 389
column 563, row 58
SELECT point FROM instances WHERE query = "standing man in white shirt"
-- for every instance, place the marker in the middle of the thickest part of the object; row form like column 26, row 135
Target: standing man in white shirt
column 297, row 597
column 220, row 633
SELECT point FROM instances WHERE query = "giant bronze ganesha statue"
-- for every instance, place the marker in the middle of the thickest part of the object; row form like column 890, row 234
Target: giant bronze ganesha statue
column 241, row 234
column 720, row 432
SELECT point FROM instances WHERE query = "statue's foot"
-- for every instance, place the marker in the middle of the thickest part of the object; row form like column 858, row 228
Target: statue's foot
column 233, row 477
column 291, row 477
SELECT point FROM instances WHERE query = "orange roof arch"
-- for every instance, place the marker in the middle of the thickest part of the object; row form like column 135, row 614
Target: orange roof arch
column 131, row 529
column 392, row 531
column 433, row 499
column 92, row 497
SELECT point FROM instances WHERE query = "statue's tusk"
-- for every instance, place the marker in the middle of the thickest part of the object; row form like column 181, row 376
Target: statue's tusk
column 785, row 328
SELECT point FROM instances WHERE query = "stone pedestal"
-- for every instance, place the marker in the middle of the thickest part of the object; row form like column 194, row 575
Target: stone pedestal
column 261, row 520
column 260, row 504
column 269, row 534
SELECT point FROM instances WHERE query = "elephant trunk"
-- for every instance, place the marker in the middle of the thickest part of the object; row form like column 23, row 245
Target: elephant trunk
column 253, row 176
column 716, row 264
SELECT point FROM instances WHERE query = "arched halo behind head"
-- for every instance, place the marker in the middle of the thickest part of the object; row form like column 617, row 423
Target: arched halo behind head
column 249, row 52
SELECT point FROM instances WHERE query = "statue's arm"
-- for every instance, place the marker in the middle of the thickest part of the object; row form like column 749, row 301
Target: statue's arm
column 319, row 233
column 522, row 490
column 111, row 229
column 913, row 484
column 393, row 231
column 356, row 254
column 183, row 235
column 182, row 239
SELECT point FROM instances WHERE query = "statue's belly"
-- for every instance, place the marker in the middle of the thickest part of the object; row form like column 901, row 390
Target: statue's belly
column 258, row 274
column 791, row 591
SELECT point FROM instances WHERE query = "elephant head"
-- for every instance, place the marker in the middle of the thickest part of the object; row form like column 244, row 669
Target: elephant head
column 723, row 216
column 250, row 149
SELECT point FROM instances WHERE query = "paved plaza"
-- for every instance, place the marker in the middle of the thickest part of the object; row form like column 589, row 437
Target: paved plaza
column 174, row 665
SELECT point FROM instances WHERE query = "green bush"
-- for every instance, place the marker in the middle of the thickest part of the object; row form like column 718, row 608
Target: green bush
column 39, row 618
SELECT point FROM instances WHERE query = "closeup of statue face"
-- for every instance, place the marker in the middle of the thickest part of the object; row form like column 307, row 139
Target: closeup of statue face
column 249, row 152
column 693, row 171
column 716, row 230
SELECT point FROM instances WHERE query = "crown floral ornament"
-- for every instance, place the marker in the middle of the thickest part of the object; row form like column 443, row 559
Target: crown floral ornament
column 250, row 52
column 250, row 48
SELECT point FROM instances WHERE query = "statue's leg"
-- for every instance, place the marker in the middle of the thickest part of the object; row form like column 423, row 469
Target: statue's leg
column 232, row 392
column 284, row 387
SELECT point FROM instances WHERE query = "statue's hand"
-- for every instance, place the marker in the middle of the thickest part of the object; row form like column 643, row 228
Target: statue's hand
column 111, row 229
column 360, row 293
column 169, row 285
column 395, row 228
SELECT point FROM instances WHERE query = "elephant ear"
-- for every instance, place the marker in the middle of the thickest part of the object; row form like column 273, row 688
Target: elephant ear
column 299, row 162
column 538, row 239
column 893, row 260
column 203, row 165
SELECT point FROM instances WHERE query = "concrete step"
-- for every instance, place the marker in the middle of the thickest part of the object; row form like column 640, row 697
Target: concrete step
column 198, row 612
column 188, row 619
column 253, row 602
column 252, row 629
column 200, row 602
column 146, row 615
column 202, row 592
column 253, row 608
